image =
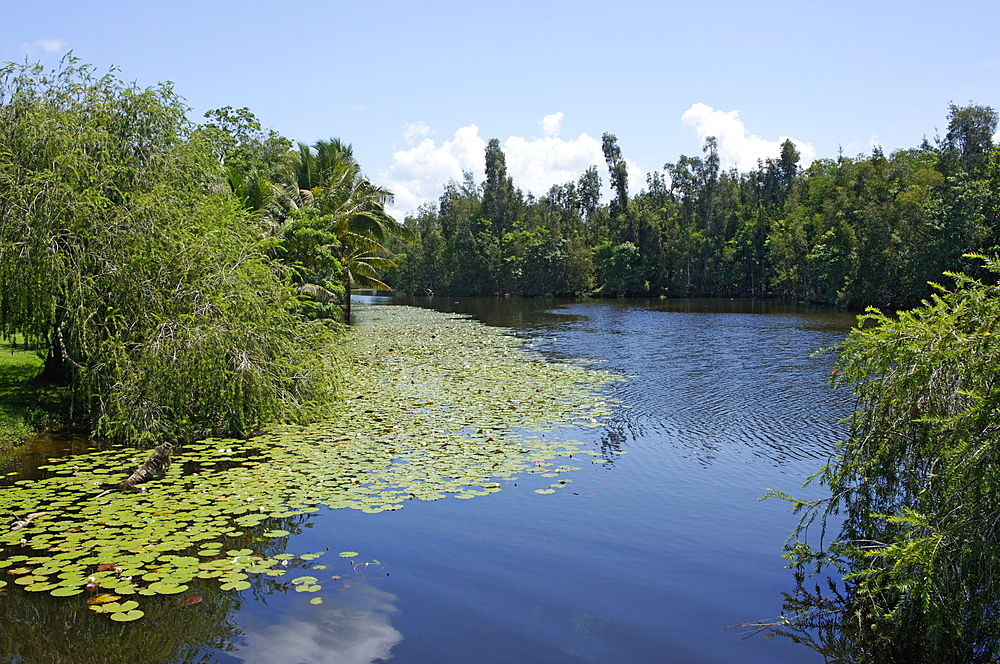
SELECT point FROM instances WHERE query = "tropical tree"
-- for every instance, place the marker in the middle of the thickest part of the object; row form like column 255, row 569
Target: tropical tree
column 969, row 140
column 127, row 262
column 344, row 204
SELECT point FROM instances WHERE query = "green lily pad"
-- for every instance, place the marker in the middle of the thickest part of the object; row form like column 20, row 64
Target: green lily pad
column 167, row 588
column 450, row 422
column 41, row 587
column 276, row 533
column 236, row 585
column 127, row 616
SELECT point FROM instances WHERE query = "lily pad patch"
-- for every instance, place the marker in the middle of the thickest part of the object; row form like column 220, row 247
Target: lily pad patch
column 445, row 414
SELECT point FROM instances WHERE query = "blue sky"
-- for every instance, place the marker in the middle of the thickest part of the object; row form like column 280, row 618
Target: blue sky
column 418, row 88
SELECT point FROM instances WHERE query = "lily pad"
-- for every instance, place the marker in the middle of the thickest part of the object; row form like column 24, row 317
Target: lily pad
column 127, row 616
column 236, row 585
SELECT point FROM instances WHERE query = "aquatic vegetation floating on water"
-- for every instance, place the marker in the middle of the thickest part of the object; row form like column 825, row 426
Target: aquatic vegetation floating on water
column 434, row 406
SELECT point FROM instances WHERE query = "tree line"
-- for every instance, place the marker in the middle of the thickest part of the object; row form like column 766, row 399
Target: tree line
column 180, row 280
column 868, row 230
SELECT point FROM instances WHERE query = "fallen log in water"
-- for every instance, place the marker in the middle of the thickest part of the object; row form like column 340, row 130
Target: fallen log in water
column 155, row 466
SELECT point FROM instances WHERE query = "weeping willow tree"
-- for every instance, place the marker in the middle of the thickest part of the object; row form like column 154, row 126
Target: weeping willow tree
column 125, row 258
column 917, row 486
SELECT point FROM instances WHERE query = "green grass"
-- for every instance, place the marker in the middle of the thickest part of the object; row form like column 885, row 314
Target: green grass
column 25, row 405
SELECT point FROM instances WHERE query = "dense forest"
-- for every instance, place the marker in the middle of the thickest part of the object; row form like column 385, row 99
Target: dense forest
column 867, row 230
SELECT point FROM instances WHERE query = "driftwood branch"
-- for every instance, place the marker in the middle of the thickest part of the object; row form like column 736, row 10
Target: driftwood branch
column 20, row 522
column 155, row 466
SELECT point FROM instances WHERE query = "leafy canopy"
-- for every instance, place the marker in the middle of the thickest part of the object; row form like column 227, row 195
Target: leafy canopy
column 125, row 258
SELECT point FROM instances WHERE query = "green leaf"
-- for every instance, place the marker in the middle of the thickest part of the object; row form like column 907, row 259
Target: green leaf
column 127, row 616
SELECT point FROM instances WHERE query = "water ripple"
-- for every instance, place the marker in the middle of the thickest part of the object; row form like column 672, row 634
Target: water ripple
column 712, row 384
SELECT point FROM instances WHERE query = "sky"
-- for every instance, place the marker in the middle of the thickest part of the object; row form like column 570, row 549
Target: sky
column 419, row 88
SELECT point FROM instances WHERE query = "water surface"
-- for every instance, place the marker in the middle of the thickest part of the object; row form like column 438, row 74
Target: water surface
column 654, row 552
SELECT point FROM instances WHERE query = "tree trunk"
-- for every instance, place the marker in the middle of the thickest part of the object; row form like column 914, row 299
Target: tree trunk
column 56, row 369
column 348, row 287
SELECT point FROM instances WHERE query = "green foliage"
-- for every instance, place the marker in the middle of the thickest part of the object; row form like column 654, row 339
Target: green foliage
column 969, row 141
column 918, row 482
column 344, row 212
column 618, row 171
column 123, row 253
column 619, row 268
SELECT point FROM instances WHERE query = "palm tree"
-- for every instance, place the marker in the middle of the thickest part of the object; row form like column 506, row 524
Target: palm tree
column 352, row 209
column 270, row 192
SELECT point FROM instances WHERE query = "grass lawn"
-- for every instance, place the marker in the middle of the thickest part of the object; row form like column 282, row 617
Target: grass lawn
column 25, row 406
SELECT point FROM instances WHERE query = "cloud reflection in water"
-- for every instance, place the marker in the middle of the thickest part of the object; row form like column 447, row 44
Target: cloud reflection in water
column 350, row 627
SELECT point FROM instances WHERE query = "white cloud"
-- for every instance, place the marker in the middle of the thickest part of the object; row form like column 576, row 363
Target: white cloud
column 636, row 178
column 537, row 164
column 44, row 46
column 552, row 123
column 51, row 45
column 736, row 146
column 418, row 175
column 414, row 131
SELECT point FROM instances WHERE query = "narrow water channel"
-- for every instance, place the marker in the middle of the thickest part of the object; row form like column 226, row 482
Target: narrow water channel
column 655, row 552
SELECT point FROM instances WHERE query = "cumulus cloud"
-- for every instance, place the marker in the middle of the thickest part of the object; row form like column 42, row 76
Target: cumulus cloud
column 552, row 123
column 418, row 174
column 737, row 147
column 537, row 164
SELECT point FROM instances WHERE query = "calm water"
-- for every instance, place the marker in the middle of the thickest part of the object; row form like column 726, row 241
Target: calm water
column 647, row 558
